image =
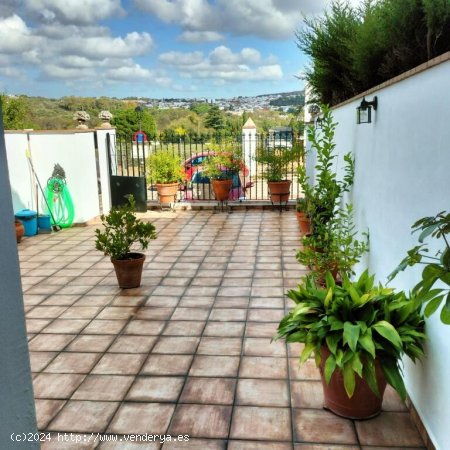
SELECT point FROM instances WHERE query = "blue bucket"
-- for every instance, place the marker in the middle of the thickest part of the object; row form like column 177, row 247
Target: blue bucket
column 29, row 220
column 43, row 222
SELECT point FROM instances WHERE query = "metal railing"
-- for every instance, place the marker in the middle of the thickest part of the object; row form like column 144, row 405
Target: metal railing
column 249, row 184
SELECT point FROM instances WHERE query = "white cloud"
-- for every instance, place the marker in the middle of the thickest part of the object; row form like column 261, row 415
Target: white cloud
column 74, row 11
column 271, row 19
column 15, row 36
column 181, row 59
column 197, row 37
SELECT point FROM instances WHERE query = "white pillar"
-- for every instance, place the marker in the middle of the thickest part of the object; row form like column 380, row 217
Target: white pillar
column 249, row 137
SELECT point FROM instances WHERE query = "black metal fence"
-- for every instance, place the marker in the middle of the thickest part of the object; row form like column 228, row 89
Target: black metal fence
column 249, row 184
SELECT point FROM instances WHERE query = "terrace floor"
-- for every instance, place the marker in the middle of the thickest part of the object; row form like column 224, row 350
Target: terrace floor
column 188, row 353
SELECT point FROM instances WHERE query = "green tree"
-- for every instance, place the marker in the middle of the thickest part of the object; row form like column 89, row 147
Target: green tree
column 215, row 119
column 127, row 122
column 15, row 111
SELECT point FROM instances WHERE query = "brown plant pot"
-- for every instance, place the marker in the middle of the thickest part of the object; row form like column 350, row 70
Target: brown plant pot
column 167, row 192
column 364, row 404
column 129, row 271
column 222, row 189
column 20, row 229
column 279, row 191
column 304, row 223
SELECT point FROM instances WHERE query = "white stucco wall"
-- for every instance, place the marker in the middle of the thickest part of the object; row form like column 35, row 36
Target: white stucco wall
column 402, row 174
column 73, row 150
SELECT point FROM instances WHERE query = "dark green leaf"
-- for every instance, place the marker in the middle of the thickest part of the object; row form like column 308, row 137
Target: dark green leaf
column 349, row 379
column 370, row 377
column 386, row 330
column 351, row 335
column 433, row 305
column 330, row 366
column 367, row 344
column 332, row 340
column 393, row 377
column 445, row 313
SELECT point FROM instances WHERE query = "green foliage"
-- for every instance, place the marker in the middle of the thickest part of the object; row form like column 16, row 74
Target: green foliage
column 215, row 119
column 127, row 122
column 359, row 323
column 278, row 160
column 225, row 161
column 436, row 268
column 354, row 49
column 333, row 247
column 121, row 230
column 165, row 166
column 14, row 112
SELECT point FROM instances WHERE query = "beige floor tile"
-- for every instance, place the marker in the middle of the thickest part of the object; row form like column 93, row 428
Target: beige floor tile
column 119, row 364
column 220, row 346
column 255, row 445
column 69, row 326
column 133, row 344
column 215, row 366
column 213, row 391
column 56, row 386
column 46, row 410
column 50, row 342
column 176, row 345
column 184, row 328
column 96, row 343
column 72, row 362
column 259, row 392
column 103, row 388
column 167, row 365
column 264, row 347
column 307, row 394
column 144, row 327
column 104, row 327
column 224, row 329
column 156, row 389
column 263, row 367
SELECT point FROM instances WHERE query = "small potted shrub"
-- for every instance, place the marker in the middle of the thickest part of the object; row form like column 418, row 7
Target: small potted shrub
column 358, row 333
column 224, row 162
column 276, row 162
column 121, row 230
column 436, row 268
column 166, row 172
column 302, row 215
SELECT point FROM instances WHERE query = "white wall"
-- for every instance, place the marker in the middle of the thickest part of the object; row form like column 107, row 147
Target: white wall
column 73, row 150
column 402, row 174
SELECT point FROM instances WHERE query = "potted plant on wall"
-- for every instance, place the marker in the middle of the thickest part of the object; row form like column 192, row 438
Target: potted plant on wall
column 165, row 170
column 436, row 268
column 224, row 162
column 276, row 162
column 358, row 333
column 121, row 230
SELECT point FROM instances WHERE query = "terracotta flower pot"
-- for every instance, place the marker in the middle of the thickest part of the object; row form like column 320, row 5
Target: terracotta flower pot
column 364, row 404
column 222, row 189
column 279, row 191
column 167, row 192
column 20, row 230
column 304, row 223
column 129, row 271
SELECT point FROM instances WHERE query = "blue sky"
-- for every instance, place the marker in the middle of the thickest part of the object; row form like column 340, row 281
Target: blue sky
column 151, row 48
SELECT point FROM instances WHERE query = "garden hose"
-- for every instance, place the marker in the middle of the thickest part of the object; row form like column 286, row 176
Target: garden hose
column 59, row 199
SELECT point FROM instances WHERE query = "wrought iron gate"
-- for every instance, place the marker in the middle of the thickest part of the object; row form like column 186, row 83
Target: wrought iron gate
column 126, row 163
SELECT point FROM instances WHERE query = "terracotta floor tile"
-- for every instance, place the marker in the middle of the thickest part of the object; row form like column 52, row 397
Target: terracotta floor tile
column 94, row 300
column 71, row 362
column 176, row 281
column 307, row 394
column 265, row 315
column 392, row 401
column 235, row 282
column 50, row 342
column 91, row 343
column 133, row 344
column 46, row 410
column 258, row 392
column 237, row 291
column 127, row 301
column 228, row 314
column 213, row 391
column 46, row 312
column 208, row 421
column 83, row 416
column 224, row 329
column 267, row 291
column 176, row 345
column 156, row 389
column 81, row 312
column 305, row 371
column 213, row 281
column 265, row 424
column 260, row 329
column 144, row 327
column 190, row 314
column 333, row 429
column 192, row 444
column 103, row 387
column 267, row 302
column 329, row 447
column 119, row 364
column 117, row 312
column 254, row 445
column 232, row 302
column 389, row 429
column 215, row 366
column 154, row 313
column 104, row 327
column 141, row 418
column 184, row 328
column 263, row 347
column 69, row 326
column 56, row 386
column 196, row 302
column 36, row 325
column 263, row 367
column 220, row 346
column 129, row 445
column 162, row 301
column 39, row 360
column 167, row 365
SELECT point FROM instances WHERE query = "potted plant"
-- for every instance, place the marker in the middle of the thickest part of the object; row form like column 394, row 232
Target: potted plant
column 224, row 162
column 165, row 170
column 436, row 268
column 20, row 230
column 121, row 230
column 302, row 215
column 358, row 333
column 276, row 162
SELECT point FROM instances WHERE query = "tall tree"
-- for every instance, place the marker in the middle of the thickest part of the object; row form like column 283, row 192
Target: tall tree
column 215, row 119
column 15, row 110
column 127, row 122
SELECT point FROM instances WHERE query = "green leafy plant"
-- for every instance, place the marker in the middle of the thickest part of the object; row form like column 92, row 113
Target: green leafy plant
column 323, row 196
column 224, row 161
column 359, row 323
column 164, row 167
column 277, row 160
column 436, row 268
column 301, row 205
column 121, row 230
column 334, row 247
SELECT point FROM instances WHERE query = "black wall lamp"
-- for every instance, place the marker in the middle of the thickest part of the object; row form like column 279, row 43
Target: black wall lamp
column 319, row 122
column 364, row 110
